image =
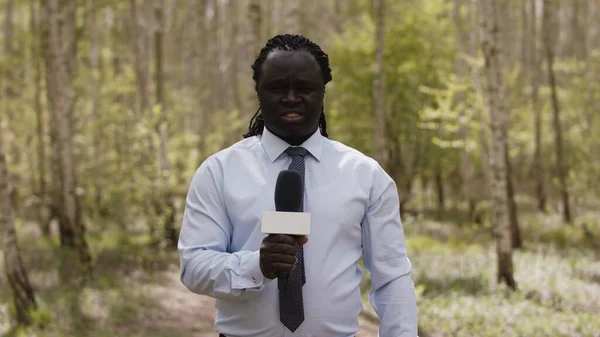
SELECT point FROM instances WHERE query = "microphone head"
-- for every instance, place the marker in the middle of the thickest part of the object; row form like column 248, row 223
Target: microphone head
column 288, row 191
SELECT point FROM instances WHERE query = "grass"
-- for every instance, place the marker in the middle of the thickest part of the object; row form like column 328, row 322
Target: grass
column 557, row 272
column 117, row 301
column 454, row 268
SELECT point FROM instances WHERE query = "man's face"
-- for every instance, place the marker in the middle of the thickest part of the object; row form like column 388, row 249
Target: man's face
column 290, row 91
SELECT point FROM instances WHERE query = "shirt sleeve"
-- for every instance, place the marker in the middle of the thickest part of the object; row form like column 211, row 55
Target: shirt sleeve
column 207, row 267
column 385, row 257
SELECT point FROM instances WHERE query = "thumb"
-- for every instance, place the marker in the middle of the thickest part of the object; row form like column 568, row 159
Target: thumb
column 301, row 240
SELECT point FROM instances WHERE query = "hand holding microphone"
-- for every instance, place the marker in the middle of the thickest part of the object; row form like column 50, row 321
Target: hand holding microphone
column 278, row 254
column 287, row 227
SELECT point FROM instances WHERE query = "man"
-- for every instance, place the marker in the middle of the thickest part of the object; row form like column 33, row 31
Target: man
column 354, row 212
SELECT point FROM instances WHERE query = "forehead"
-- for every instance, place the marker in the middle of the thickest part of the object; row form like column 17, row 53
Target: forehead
column 285, row 63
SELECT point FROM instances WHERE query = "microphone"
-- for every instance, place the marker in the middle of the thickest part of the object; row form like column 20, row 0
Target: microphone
column 288, row 191
column 288, row 217
column 288, row 198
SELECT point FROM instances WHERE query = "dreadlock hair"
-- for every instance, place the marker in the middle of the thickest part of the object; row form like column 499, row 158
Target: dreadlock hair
column 288, row 42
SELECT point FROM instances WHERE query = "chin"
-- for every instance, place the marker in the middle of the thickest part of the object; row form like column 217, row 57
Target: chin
column 293, row 131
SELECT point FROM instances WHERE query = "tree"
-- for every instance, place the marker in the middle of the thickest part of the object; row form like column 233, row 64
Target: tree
column 378, row 85
column 515, row 232
column 165, row 206
column 60, row 92
column 461, row 72
column 23, row 295
column 548, row 34
column 534, row 74
column 141, row 62
column 36, row 65
column 495, row 96
column 292, row 17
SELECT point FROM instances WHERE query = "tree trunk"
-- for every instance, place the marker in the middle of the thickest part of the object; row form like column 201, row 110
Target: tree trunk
column 51, row 98
column 94, row 57
column 254, row 35
column 439, row 188
column 404, row 162
column 461, row 72
column 512, row 205
column 214, row 61
column 534, row 74
column 292, row 17
column 577, row 32
column 9, row 81
column 166, row 208
column 269, row 22
column 234, row 72
column 255, row 44
column 23, row 295
column 203, row 71
column 380, row 153
column 141, row 62
column 60, row 92
column 494, row 88
column 8, row 27
column 96, row 153
column 39, row 115
column 508, row 14
column 8, row 77
column 560, row 162
column 474, row 43
column 525, row 39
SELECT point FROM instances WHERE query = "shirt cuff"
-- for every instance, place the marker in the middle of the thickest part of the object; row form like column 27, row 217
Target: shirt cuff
column 249, row 276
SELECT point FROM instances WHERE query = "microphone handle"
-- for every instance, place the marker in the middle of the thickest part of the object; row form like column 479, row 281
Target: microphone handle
column 282, row 280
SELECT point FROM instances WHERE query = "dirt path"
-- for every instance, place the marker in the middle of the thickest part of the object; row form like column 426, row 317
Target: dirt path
column 192, row 315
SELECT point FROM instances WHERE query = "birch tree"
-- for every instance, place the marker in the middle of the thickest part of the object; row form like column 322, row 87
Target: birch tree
column 60, row 94
column 534, row 79
column 491, row 26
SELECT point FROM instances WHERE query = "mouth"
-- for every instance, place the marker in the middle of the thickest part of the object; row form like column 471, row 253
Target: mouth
column 292, row 116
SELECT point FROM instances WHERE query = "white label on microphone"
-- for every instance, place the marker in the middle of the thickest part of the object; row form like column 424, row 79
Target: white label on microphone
column 292, row 223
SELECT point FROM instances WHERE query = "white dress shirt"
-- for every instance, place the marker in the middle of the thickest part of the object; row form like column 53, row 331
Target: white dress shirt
column 355, row 212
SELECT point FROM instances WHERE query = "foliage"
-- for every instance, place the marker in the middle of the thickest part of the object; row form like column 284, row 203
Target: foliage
column 454, row 274
column 413, row 57
column 433, row 118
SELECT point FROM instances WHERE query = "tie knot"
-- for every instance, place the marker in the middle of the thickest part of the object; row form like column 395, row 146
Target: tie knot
column 296, row 151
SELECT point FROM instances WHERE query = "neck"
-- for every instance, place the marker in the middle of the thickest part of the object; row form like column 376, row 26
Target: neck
column 294, row 141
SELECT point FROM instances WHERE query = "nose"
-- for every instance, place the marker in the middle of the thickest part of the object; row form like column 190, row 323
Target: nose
column 291, row 97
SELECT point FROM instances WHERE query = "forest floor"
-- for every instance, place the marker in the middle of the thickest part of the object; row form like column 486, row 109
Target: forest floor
column 136, row 291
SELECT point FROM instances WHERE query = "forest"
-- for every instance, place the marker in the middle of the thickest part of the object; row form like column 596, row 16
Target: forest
column 484, row 113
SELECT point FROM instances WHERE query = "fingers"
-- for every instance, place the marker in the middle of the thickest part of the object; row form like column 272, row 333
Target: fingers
column 279, row 248
column 277, row 267
column 279, row 258
column 278, row 253
column 273, row 263
column 289, row 239
column 281, row 238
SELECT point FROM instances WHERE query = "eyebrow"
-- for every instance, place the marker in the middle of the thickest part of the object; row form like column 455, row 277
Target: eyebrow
column 283, row 79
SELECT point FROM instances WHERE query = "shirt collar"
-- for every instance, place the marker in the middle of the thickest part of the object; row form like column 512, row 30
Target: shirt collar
column 275, row 146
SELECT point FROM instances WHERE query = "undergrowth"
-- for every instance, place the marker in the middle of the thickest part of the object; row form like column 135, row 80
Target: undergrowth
column 454, row 270
column 557, row 274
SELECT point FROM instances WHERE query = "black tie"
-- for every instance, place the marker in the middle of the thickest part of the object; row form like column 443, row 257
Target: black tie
column 291, row 308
